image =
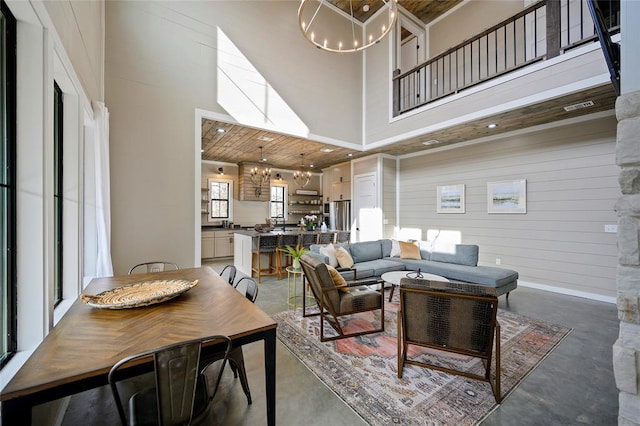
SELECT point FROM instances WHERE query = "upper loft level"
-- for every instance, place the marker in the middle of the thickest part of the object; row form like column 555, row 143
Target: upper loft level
column 539, row 32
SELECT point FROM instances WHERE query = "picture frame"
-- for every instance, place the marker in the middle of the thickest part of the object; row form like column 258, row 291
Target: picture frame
column 508, row 196
column 450, row 198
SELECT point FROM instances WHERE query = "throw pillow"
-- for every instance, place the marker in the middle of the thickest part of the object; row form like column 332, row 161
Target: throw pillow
column 344, row 258
column 395, row 249
column 409, row 250
column 338, row 280
column 330, row 252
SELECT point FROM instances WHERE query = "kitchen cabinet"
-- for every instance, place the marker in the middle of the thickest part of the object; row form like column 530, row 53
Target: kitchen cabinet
column 224, row 244
column 341, row 173
column 326, row 184
column 341, row 191
column 216, row 244
column 339, row 177
column 207, row 245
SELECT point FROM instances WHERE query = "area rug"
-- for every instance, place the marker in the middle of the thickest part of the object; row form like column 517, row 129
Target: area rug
column 362, row 370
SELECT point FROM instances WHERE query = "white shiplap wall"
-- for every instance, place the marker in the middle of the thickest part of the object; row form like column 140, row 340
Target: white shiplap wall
column 572, row 185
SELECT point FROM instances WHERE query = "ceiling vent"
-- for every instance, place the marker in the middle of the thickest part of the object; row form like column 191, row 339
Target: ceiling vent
column 581, row 105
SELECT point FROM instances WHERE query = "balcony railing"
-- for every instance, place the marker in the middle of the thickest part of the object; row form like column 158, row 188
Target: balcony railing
column 543, row 30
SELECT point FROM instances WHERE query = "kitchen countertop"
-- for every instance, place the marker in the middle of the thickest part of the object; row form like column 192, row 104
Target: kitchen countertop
column 253, row 233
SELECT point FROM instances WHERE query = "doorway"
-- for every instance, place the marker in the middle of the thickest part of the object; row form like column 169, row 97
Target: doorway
column 367, row 211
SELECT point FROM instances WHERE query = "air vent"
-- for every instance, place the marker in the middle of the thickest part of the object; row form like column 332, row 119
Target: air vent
column 581, row 105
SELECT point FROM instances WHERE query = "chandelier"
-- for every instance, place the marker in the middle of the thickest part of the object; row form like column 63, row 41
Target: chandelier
column 301, row 177
column 340, row 31
column 259, row 176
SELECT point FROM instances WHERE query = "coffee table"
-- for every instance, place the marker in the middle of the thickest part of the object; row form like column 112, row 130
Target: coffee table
column 394, row 278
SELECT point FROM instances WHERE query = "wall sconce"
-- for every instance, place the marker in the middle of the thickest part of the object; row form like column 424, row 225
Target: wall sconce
column 220, row 171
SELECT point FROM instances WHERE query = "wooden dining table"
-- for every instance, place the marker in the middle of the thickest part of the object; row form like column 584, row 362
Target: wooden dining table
column 80, row 350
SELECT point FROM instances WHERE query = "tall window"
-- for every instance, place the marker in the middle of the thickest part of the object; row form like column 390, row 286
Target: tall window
column 221, row 193
column 277, row 202
column 57, row 189
column 8, row 323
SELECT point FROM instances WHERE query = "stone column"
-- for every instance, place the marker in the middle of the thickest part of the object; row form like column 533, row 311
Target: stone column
column 626, row 350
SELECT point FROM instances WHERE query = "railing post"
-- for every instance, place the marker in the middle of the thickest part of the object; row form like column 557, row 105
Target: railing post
column 553, row 28
column 396, row 93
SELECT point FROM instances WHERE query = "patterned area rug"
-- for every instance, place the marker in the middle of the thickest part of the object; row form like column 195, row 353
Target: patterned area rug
column 362, row 370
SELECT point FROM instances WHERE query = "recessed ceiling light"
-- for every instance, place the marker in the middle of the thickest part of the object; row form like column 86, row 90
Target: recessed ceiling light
column 220, row 130
column 430, row 142
column 365, row 8
column 326, row 150
column 311, row 165
column 265, row 138
column 492, row 126
column 349, row 155
column 202, row 150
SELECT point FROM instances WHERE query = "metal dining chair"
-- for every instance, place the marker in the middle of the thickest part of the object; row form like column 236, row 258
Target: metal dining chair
column 180, row 395
column 229, row 274
column 148, row 267
column 248, row 287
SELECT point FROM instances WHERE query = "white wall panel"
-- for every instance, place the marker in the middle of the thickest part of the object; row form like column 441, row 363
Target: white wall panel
column 164, row 60
column 571, row 191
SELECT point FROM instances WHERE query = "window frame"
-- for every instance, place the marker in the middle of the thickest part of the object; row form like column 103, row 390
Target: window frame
column 229, row 200
column 58, row 195
column 283, row 187
column 8, row 79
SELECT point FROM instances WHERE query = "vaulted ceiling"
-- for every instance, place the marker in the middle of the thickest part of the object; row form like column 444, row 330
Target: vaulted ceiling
column 241, row 144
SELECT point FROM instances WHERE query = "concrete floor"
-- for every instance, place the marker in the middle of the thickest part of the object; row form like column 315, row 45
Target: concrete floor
column 574, row 385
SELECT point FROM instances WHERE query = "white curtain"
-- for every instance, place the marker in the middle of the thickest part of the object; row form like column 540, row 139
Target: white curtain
column 104, row 267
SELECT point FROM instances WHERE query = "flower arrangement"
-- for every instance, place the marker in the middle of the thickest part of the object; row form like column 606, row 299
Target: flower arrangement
column 310, row 220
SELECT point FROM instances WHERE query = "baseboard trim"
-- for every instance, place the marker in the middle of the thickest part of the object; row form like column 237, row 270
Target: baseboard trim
column 569, row 292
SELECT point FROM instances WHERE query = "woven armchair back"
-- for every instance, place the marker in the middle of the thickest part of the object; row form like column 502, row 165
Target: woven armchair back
column 458, row 317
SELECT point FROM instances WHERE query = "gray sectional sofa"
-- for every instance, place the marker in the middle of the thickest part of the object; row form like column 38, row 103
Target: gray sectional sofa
column 372, row 259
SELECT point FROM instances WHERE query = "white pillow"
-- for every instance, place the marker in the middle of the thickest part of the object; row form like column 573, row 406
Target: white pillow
column 330, row 252
column 395, row 249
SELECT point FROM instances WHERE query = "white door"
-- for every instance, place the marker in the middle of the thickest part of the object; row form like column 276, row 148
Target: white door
column 367, row 210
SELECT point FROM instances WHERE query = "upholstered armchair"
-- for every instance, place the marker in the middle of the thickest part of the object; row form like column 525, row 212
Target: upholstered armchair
column 337, row 299
column 452, row 317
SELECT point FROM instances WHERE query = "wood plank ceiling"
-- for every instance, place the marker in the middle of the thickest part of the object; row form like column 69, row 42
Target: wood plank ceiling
column 241, row 144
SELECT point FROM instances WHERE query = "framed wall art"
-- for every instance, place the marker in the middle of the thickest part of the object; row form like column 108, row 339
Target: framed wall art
column 509, row 196
column 450, row 199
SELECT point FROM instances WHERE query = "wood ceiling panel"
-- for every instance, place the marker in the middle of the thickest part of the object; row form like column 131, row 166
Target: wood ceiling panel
column 241, row 144
column 425, row 10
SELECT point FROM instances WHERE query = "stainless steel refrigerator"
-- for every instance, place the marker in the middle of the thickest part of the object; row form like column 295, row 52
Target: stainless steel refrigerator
column 340, row 215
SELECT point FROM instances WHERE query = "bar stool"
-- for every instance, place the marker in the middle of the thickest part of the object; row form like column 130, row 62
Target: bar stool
column 284, row 259
column 343, row 236
column 326, row 237
column 263, row 244
column 308, row 238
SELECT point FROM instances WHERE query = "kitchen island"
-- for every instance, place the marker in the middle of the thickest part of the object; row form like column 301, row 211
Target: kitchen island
column 244, row 241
